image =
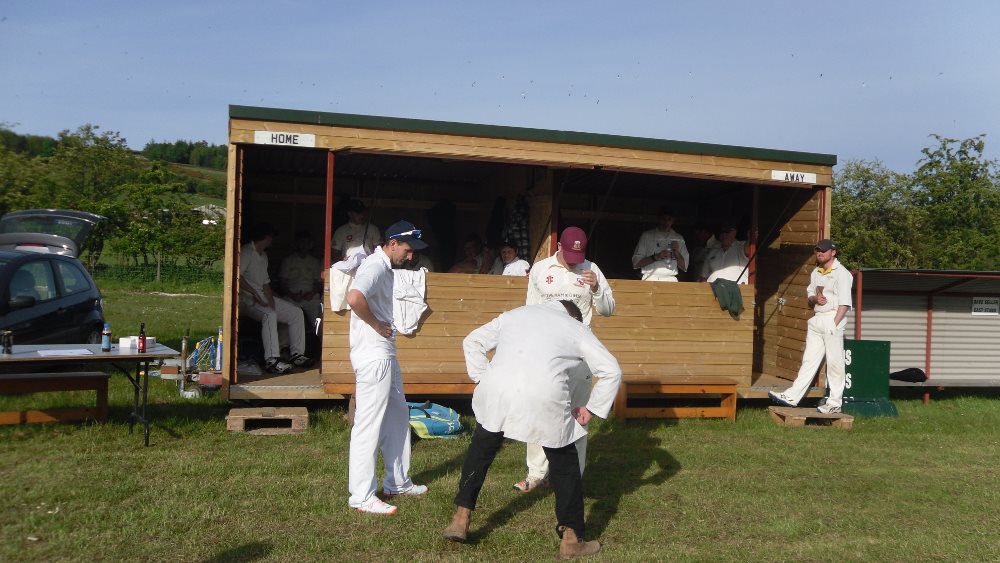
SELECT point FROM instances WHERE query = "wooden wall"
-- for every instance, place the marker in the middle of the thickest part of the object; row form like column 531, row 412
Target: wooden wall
column 657, row 329
column 783, row 267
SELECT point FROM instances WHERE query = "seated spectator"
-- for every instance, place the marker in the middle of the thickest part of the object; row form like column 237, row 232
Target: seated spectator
column 357, row 235
column 704, row 241
column 300, row 275
column 661, row 253
column 477, row 259
column 258, row 302
column 508, row 263
column 728, row 260
column 420, row 261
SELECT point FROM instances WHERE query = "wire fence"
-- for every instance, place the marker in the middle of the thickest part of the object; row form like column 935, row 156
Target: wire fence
column 157, row 277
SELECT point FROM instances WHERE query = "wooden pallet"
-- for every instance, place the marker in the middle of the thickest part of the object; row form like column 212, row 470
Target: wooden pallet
column 268, row 421
column 793, row 416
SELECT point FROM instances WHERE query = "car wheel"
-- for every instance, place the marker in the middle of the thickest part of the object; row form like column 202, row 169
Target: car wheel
column 94, row 337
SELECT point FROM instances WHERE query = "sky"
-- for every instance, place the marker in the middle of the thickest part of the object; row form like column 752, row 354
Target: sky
column 859, row 79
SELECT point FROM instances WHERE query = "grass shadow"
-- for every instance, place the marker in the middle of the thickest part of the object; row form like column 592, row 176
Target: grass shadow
column 623, row 458
column 247, row 552
column 620, row 459
column 431, row 474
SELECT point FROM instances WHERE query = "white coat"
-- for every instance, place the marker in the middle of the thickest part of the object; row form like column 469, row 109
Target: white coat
column 524, row 391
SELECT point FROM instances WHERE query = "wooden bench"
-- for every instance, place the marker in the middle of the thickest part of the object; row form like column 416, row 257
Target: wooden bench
column 672, row 340
column 673, row 388
column 17, row 383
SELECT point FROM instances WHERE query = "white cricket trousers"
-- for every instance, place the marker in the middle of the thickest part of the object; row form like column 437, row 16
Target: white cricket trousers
column 581, row 382
column 312, row 309
column 381, row 423
column 823, row 340
column 284, row 312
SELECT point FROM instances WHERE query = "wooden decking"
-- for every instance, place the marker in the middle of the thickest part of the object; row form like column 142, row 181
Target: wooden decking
column 305, row 385
column 308, row 385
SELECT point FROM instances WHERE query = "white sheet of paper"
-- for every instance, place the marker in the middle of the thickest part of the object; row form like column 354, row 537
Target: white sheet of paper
column 76, row 352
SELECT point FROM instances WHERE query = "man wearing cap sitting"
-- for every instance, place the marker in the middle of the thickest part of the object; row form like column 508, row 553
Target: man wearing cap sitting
column 258, row 302
column 356, row 235
column 728, row 260
column 567, row 275
column 829, row 292
column 661, row 253
column 381, row 417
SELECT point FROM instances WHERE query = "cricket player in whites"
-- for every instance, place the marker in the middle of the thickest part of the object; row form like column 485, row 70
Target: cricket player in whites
column 381, row 417
column 829, row 292
column 568, row 275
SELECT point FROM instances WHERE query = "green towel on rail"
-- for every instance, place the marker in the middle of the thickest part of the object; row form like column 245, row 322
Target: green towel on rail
column 727, row 293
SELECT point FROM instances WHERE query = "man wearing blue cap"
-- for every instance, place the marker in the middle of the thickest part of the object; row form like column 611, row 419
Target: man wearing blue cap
column 381, row 417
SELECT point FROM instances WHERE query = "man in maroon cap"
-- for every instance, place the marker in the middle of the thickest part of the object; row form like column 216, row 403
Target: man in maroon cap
column 567, row 275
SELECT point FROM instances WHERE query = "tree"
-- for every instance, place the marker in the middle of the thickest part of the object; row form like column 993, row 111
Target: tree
column 959, row 192
column 875, row 221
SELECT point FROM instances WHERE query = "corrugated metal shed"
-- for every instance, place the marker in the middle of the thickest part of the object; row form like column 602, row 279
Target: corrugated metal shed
column 928, row 317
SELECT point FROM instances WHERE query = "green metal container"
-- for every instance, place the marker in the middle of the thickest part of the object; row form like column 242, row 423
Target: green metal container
column 866, row 392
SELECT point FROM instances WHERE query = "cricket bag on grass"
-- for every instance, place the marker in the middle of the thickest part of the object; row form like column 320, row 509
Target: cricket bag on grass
column 430, row 420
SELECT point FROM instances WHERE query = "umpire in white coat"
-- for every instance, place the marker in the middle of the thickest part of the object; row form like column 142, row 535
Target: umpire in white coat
column 381, row 417
column 524, row 394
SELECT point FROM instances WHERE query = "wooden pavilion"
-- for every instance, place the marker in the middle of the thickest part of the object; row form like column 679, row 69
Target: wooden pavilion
column 294, row 169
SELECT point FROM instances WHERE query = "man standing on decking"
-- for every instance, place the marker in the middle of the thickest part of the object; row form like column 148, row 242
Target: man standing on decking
column 728, row 260
column 829, row 292
column 567, row 275
column 661, row 253
column 381, row 417
column 357, row 235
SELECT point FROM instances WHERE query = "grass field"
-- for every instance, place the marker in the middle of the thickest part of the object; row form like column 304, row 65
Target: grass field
column 922, row 486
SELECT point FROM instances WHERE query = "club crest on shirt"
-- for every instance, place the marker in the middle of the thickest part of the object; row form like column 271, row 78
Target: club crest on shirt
column 549, row 280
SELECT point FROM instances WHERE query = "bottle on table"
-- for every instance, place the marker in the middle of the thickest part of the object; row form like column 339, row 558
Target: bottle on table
column 106, row 338
column 142, row 338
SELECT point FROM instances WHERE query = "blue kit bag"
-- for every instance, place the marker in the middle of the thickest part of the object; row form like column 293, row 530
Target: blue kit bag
column 431, row 420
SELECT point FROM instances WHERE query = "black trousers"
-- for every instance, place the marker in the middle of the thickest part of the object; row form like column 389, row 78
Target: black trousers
column 564, row 475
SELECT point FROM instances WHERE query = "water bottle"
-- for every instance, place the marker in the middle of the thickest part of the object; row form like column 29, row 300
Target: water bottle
column 106, row 338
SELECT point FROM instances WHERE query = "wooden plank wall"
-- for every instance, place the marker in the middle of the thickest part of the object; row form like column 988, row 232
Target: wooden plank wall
column 783, row 274
column 671, row 329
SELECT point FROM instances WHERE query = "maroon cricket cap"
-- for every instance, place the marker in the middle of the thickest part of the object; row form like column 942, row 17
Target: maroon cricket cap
column 574, row 245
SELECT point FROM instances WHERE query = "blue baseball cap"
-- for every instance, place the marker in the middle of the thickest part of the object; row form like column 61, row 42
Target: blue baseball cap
column 404, row 231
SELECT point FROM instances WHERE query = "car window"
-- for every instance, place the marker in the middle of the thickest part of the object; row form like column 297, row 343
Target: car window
column 33, row 279
column 73, row 279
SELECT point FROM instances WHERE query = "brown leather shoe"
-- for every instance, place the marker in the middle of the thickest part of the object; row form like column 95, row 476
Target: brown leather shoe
column 459, row 527
column 572, row 546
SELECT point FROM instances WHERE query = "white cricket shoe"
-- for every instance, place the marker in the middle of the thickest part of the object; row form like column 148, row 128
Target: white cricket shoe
column 413, row 491
column 377, row 506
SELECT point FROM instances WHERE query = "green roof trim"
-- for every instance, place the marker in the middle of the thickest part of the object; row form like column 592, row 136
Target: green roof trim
column 524, row 134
